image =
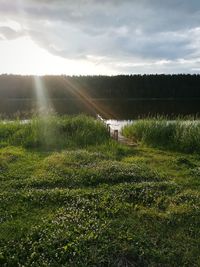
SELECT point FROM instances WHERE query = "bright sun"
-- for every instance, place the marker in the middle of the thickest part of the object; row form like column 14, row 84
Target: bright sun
column 23, row 56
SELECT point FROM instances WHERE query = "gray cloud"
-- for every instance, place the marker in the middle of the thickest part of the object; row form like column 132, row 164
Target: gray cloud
column 116, row 33
column 9, row 34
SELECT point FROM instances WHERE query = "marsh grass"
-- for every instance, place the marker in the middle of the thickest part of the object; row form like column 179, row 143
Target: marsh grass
column 53, row 132
column 180, row 134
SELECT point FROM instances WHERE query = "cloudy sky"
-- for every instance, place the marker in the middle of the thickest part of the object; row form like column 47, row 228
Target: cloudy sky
column 99, row 36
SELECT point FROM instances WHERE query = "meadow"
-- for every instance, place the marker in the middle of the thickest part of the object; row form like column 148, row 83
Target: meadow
column 71, row 196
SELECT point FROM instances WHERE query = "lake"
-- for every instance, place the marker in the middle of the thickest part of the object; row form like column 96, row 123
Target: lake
column 120, row 109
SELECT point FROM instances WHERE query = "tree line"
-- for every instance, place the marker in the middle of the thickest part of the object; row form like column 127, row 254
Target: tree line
column 108, row 87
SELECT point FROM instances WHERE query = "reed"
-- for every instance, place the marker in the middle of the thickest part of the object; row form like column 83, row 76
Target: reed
column 179, row 134
column 53, row 132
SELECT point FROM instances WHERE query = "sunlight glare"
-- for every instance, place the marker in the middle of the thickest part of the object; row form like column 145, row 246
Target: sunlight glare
column 43, row 102
column 23, row 56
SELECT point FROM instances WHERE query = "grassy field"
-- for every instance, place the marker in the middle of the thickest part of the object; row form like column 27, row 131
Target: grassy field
column 85, row 200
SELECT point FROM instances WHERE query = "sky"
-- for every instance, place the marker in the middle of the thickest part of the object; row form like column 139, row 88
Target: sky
column 106, row 37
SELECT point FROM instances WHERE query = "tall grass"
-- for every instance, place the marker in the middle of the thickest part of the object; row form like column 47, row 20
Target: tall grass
column 181, row 135
column 53, row 132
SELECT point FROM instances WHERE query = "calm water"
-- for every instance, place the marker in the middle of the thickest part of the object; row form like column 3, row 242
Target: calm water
column 118, row 124
column 124, row 109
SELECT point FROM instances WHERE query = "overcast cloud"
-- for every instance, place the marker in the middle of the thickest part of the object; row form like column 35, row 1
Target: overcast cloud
column 127, row 36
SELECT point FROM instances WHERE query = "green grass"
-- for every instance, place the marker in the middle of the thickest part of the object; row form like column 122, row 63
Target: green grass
column 53, row 132
column 180, row 135
column 100, row 204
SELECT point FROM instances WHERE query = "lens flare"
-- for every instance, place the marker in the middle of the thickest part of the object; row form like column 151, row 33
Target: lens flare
column 80, row 92
column 44, row 106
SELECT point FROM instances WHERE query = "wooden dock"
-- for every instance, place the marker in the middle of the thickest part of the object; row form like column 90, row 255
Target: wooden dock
column 115, row 133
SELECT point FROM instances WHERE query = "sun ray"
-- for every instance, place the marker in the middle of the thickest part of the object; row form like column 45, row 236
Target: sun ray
column 79, row 91
column 44, row 106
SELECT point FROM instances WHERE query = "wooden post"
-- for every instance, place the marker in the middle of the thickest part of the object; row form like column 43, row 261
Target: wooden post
column 116, row 135
column 108, row 127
